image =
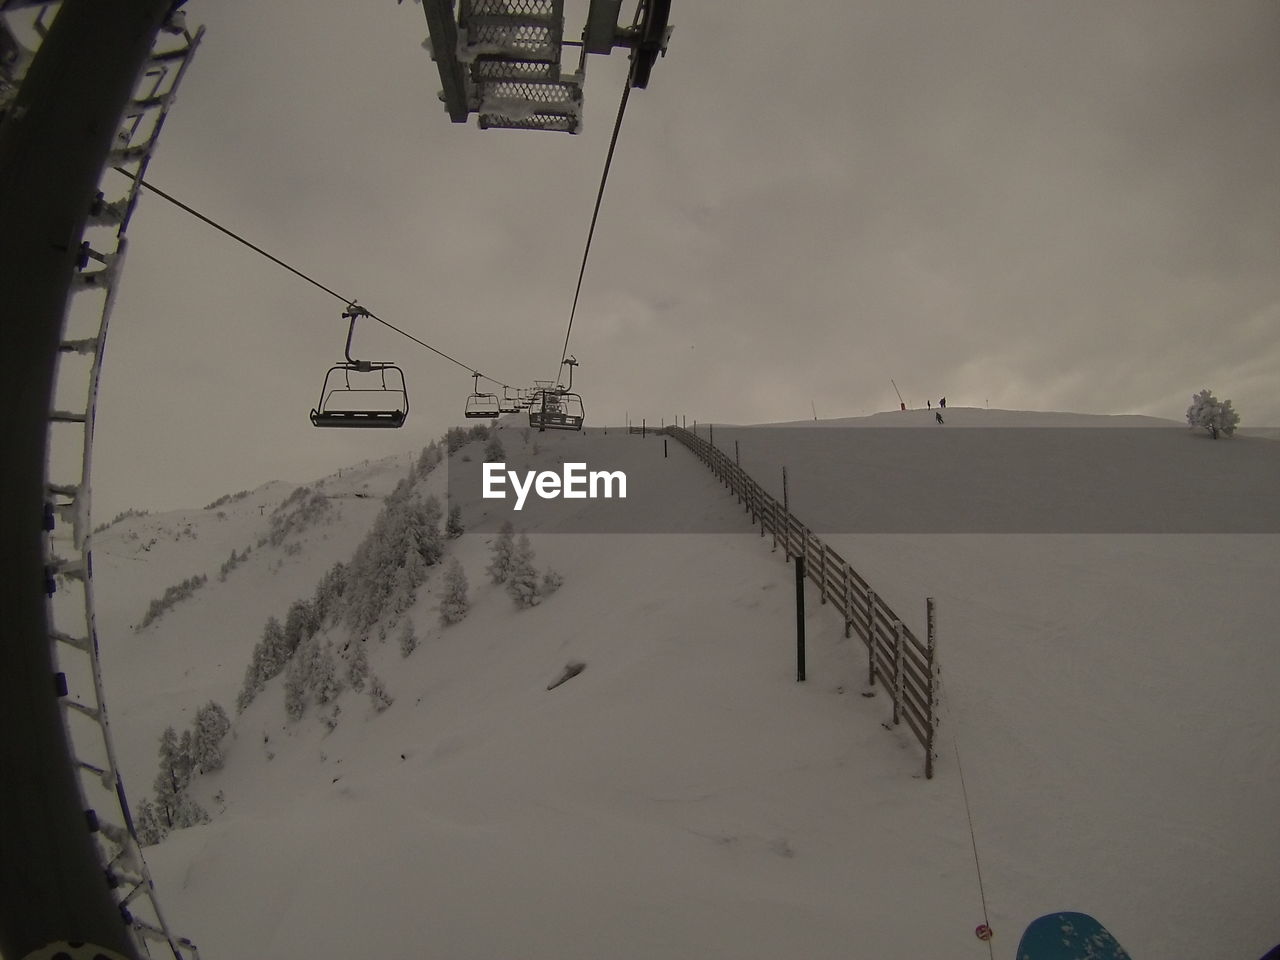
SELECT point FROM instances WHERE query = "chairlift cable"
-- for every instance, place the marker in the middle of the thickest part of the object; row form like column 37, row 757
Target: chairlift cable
column 595, row 214
column 311, row 280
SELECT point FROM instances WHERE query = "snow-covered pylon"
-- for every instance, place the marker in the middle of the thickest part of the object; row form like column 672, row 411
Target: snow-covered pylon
column 68, row 561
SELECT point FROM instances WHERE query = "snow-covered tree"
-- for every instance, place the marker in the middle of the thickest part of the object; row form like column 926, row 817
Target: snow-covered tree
column 301, row 623
column 453, row 528
column 503, row 548
column 522, row 581
column 298, row 678
column 378, row 694
column 1216, row 416
column 174, row 809
column 551, row 582
column 456, row 438
column 151, row 830
column 330, row 720
column 326, row 603
column 430, row 457
column 493, row 451
column 324, row 679
column 357, row 666
column 454, row 605
column 295, row 692
column 408, row 638
column 210, row 727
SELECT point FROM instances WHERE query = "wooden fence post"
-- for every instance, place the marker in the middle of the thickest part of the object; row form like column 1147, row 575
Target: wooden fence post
column 897, row 671
column 931, row 653
column 822, row 571
column 848, row 601
column 800, row 618
column 871, row 637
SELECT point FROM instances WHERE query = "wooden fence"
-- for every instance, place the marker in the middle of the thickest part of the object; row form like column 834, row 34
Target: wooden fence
column 894, row 654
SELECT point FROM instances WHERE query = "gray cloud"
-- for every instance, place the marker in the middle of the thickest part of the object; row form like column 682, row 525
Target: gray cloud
column 1039, row 205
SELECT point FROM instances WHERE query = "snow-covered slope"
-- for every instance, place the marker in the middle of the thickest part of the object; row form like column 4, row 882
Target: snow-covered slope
column 1111, row 699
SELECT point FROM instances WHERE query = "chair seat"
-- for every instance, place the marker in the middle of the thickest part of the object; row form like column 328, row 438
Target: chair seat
column 358, row 418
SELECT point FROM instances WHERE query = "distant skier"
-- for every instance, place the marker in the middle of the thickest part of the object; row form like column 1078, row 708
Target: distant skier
column 930, row 403
column 943, row 403
column 938, row 416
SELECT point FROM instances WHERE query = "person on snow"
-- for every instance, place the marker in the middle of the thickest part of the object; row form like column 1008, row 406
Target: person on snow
column 943, row 403
column 938, row 416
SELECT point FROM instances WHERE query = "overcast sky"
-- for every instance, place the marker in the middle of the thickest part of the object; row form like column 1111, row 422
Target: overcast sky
column 1068, row 205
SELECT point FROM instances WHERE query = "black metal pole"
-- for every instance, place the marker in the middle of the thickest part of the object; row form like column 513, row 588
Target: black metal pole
column 800, row 617
column 664, row 448
column 54, row 144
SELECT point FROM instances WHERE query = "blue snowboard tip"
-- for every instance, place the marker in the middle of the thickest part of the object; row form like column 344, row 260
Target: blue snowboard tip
column 1069, row 936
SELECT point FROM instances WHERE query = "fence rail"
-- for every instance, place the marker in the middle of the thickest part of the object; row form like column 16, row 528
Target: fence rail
column 895, row 654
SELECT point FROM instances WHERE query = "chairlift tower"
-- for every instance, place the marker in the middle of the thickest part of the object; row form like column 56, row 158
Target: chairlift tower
column 502, row 59
column 91, row 98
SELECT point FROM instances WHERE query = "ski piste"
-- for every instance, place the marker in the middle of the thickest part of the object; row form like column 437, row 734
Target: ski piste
column 1069, row 936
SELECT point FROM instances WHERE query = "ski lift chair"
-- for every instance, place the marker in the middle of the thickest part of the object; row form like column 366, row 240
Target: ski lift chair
column 508, row 403
column 365, row 401
column 481, row 405
column 557, row 411
column 557, row 407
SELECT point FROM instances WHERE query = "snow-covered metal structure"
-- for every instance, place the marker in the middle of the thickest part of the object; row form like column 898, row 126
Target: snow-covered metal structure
column 502, row 59
column 79, row 116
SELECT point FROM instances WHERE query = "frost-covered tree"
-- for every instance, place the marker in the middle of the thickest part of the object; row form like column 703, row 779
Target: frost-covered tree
column 330, row 720
column 503, row 548
column 295, row 692
column 378, row 694
column 1216, row 416
column 456, row 438
column 391, row 562
column 151, row 830
column 326, row 603
column 493, row 451
column 453, row 528
column 551, row 582
column 301, row 623
column 429, row 459
column 522, row 581
column 324, row 679
column 454, row 605
column 357, row 666
column 210, row 727
column 298, row 678
column 408, row 638
column 269, row 656
column 174, row 808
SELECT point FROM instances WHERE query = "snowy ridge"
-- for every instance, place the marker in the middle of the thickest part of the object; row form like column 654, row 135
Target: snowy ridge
column 682, row 795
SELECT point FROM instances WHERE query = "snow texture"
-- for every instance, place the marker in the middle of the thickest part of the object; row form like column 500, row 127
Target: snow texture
column 1111, row 699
